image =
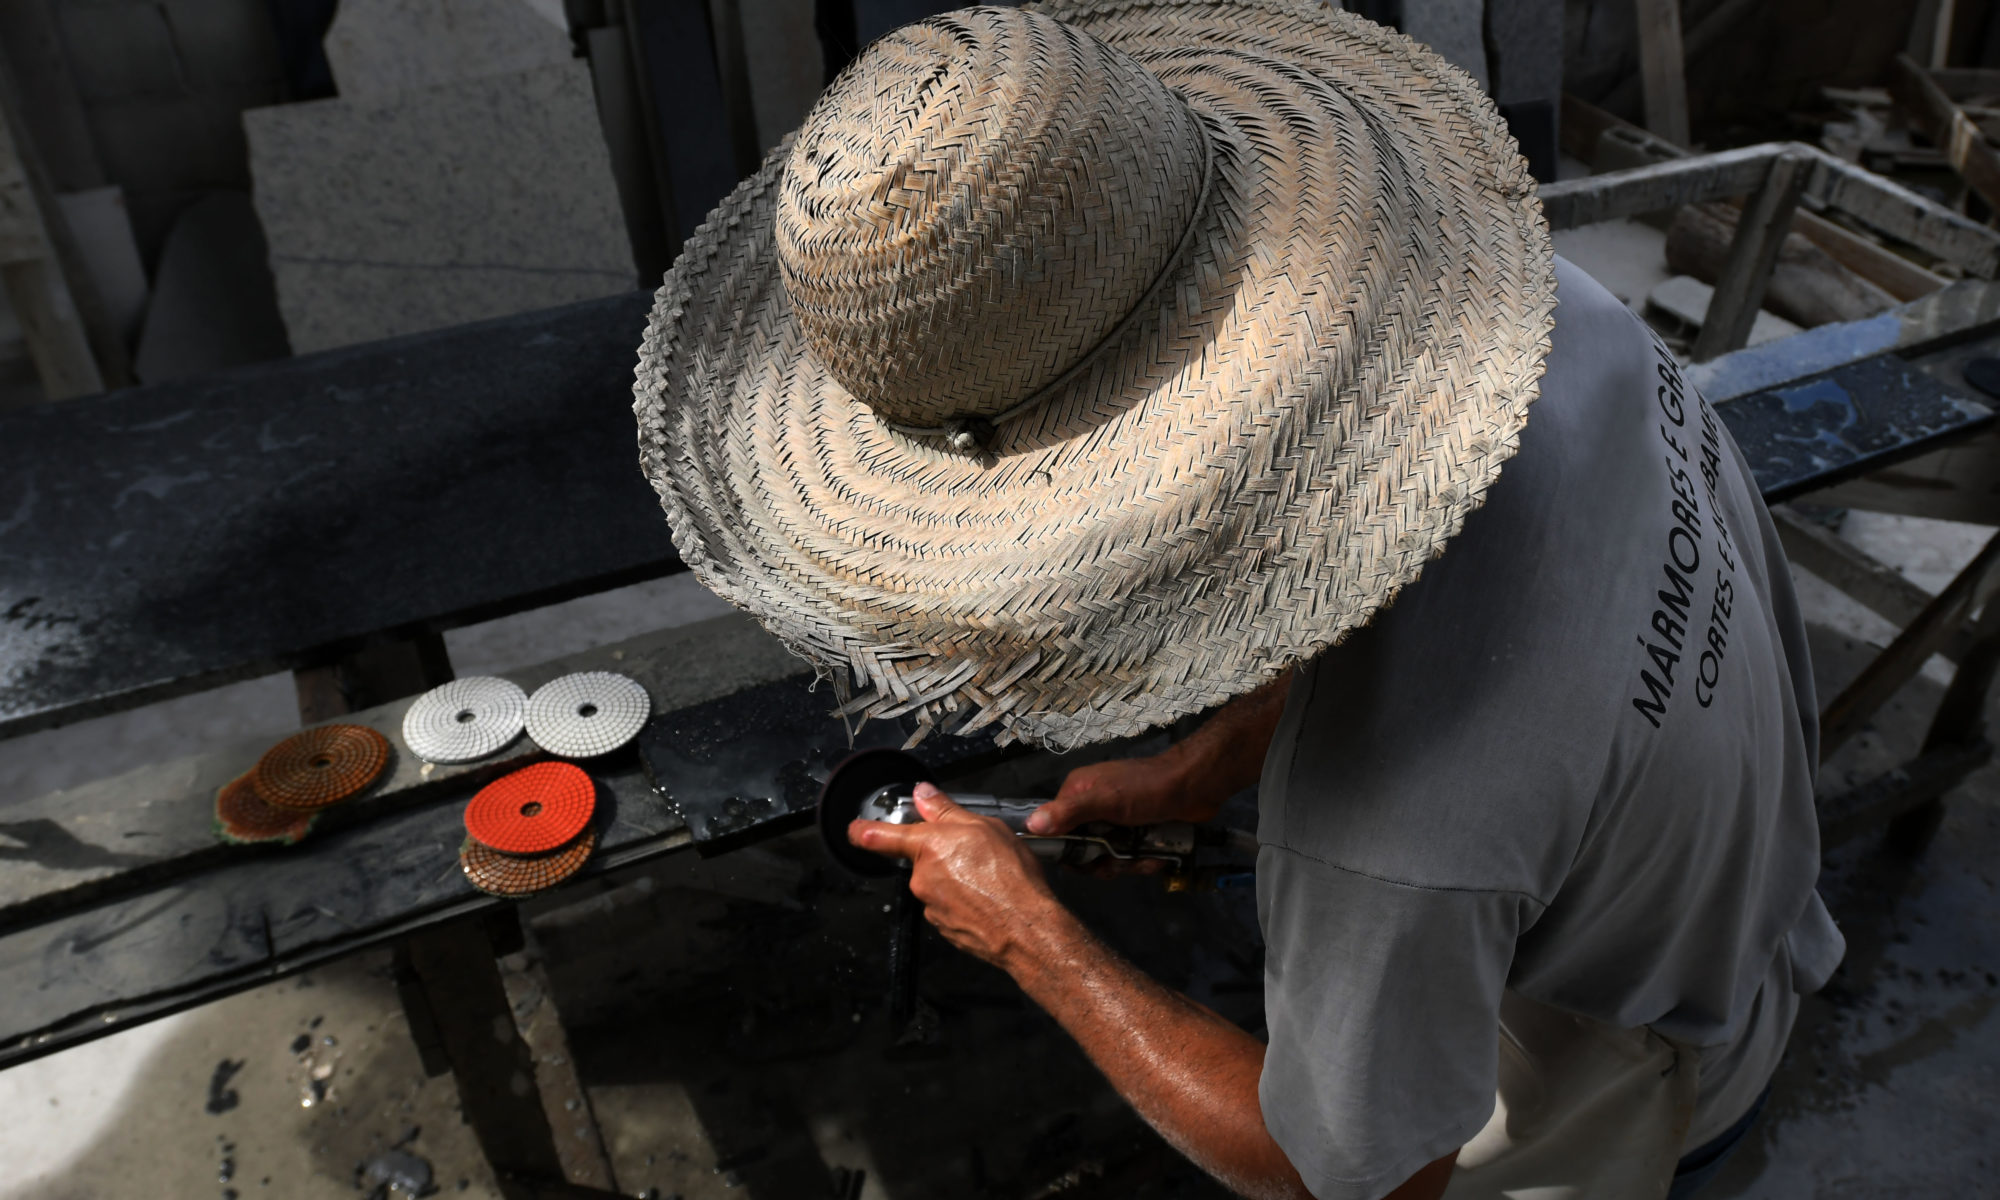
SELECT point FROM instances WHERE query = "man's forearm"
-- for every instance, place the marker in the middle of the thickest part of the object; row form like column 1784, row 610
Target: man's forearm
column 1191, row 1074
column 1226, row 754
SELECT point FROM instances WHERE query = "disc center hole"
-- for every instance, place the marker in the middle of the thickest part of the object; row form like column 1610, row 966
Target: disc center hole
column 586, row 709
column 321, row 761
column 532, row 808
column 466, row 716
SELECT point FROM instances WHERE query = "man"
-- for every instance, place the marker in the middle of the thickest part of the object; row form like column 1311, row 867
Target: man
column 1078, row 369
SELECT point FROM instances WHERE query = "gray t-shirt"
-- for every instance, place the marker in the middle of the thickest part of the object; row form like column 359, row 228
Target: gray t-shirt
column 1574, row 759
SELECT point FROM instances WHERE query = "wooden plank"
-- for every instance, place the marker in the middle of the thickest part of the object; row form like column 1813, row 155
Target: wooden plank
column 1959, row 725
column 1962, row 83
column 1960, row 719
column 1940, row 47
column 1753, row 252
column 573, row 1122
column 1843, row 565
column 103, row 336
column 1662, row 72
column 1694, row 180
column 39, row 63
column 491, row 1063
column 1582, row 123
column 1914, row 784
column 1833, row 183
column 1966, row 315
column 36, row 289
column 1874, row 262
column 1895, row 666
column 1946, row 124
column 1697, row 41
column 1890, row 208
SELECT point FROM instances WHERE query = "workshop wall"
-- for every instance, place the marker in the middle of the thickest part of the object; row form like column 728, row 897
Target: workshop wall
column 1752, row 62
column 161, row 86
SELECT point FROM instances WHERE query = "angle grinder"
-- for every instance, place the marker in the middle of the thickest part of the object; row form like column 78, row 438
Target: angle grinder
column 876, row 785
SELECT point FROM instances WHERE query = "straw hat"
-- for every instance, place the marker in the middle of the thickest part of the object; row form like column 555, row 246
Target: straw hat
column 1084, row 366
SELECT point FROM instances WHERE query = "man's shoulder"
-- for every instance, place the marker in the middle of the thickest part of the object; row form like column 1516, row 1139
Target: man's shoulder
column 1464, row 737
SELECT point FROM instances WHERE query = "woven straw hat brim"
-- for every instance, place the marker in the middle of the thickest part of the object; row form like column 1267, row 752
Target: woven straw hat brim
column 1301, row 416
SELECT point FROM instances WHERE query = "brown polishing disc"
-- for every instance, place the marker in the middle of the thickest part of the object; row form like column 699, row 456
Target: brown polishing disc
column 320, row 766
column 532, row 810
column 241, row 815
column 513, row 875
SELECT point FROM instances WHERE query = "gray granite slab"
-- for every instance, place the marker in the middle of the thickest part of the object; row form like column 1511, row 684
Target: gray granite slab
column 783, row 55
column 437, row 206
column 379, row 47
column 161, row 539
column 1455, row 29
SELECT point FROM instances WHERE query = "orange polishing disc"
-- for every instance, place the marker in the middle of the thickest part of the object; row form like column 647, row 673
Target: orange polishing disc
column 241, row 815
column 499, row 874
column 320, row 766
column 533, row 810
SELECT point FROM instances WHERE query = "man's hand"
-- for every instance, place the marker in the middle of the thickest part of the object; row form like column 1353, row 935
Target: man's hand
column 979, row 885
column 1124, row 791
column 1191, row 1074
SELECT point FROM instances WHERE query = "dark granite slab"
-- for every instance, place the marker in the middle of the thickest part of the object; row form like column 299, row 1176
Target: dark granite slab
column 749, row 765
column 1814, row 432
column 163, row 539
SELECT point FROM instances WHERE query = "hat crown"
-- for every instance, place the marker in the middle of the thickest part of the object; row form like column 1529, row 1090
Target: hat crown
column 975, row 204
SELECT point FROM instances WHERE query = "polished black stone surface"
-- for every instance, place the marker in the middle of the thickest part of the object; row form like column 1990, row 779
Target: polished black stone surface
column 750, row 765
column 1817, row 431
column 163, row 539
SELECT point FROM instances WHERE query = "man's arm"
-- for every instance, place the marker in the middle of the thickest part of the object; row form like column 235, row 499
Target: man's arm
column 1188, row 781
column 1191, row 1074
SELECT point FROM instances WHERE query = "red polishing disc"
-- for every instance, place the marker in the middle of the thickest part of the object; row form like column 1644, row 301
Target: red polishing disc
column 512, row 875
column 534, row 809
column 242, row 816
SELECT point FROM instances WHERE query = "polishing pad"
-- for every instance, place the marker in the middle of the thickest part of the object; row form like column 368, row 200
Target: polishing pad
column 320, row 766
column 533, row 810
column 860, row 776
column 244, row 817
column 510, row 875
column 465, row 719
column 587, row 714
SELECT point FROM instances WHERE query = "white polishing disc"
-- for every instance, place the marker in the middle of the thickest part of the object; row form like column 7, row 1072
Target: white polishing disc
column 587, row 714
column 465, row 719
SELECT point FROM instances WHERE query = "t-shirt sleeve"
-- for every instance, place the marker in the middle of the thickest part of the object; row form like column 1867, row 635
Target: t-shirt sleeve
column 1383, row 1005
